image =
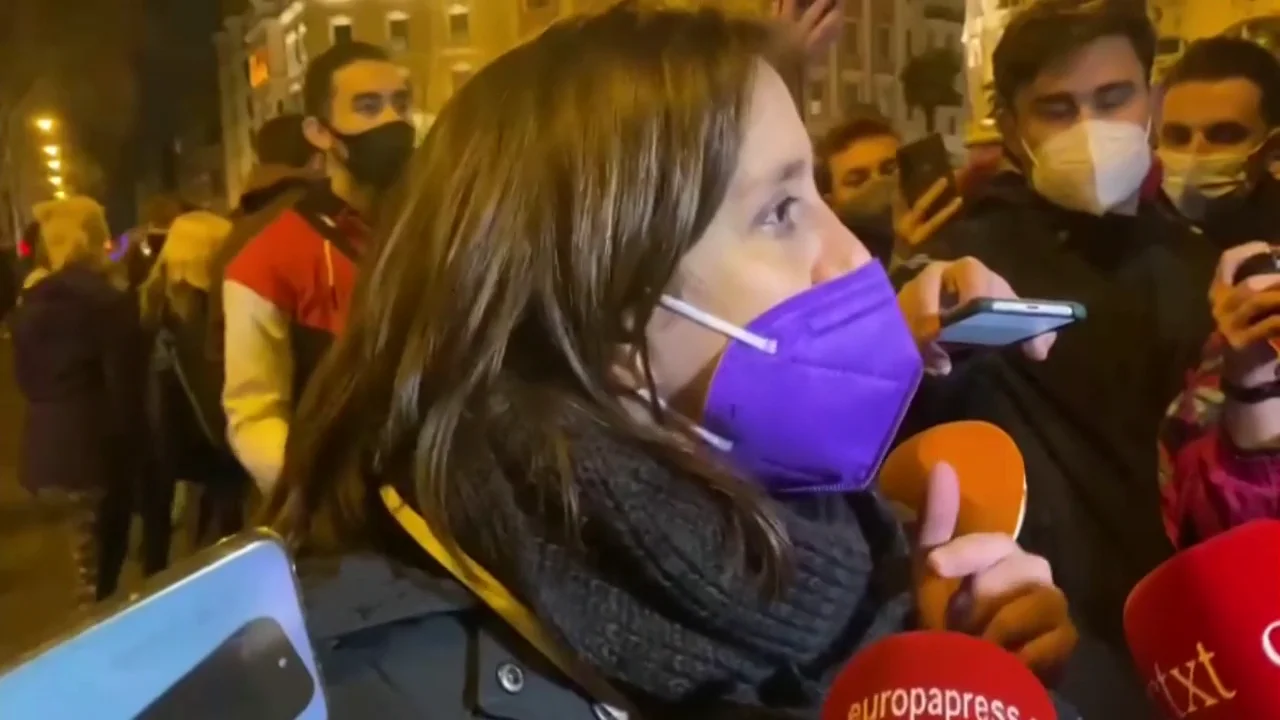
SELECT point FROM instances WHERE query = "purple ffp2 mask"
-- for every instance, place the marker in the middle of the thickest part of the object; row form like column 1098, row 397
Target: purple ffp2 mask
column 809, row 395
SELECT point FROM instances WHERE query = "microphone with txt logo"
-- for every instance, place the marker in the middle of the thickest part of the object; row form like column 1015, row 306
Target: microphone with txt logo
column 1204, row 627
column 936, row 676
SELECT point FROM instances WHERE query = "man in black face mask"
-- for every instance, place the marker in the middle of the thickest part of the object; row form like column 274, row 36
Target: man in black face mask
column 285, row 293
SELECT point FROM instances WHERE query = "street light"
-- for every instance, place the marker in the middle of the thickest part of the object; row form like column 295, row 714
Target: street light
column 60, row 195
column 52, row 150
column 54, row 164
column 56, row 180
column 45, row 124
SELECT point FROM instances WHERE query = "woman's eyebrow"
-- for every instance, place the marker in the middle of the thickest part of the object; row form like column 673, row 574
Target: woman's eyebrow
column 779, row 175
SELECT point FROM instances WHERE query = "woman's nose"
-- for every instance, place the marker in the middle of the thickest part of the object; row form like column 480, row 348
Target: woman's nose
column 840, row 251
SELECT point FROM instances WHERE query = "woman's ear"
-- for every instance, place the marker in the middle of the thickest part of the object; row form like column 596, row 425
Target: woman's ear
column 627, row 370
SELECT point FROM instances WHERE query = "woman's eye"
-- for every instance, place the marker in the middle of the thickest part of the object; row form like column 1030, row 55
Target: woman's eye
column 781, row 214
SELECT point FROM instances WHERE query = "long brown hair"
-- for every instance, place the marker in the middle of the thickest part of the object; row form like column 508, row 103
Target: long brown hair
column 531, row 239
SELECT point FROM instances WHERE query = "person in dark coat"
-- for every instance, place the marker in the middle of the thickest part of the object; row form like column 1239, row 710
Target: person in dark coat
column 188, row 427
column 76, row 340
column 542, row 286
column 1075, row 225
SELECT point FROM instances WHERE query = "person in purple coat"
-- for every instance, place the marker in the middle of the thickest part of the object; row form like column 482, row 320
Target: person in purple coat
column 77, row 348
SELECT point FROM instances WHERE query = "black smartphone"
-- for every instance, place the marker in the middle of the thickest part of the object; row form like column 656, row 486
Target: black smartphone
column 989, row 322
column 1264, row 263
column 921, row 164
column 255, row 674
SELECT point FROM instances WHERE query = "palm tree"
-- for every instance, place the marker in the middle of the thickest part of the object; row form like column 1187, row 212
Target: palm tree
column 929, row 82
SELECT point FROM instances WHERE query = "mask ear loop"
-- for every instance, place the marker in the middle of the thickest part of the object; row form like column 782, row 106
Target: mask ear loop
column 715, row 324
column 710, row 438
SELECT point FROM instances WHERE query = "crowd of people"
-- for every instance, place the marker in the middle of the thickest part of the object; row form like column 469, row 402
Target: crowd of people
column 621, row 335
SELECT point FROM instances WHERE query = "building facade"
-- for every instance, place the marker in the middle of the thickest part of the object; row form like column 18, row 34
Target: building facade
column 879, row 39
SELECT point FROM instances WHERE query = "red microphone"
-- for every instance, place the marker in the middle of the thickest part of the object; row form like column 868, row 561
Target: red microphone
column 936, row 676
column 1204, row 627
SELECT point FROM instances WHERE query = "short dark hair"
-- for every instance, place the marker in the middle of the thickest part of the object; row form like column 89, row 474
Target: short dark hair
column 317, row 88
column 861, row 122
column 280, row 141
column 1225, row 58
column 1049, row 31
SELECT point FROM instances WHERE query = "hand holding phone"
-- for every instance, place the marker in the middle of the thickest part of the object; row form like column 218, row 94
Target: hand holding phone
column 928, row 190
column 990, row 322
column 1246, row 310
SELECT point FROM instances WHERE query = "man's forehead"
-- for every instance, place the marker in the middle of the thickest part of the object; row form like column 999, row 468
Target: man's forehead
column 370, row 76
column 1198, row 102
column 871, row 149
column 1105, row 61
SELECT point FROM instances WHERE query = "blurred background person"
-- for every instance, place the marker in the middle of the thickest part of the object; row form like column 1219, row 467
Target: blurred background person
column 1220, row 444
column 286, row 291
column 187, row 425
column 287, row 165
column 146, row 241
column 857, row 171
column 76, row 345
column 1218, row 136
column 1075, row 105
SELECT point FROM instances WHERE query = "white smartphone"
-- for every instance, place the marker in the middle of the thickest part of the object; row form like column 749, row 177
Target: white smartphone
column 220, row 635
column 989, row 322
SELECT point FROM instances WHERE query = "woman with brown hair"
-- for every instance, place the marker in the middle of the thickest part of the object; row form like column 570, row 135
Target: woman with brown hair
column 614, row 348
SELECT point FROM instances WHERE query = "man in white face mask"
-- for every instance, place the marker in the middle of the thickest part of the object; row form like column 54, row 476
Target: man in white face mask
column 1071, row 82
column 1218, row 134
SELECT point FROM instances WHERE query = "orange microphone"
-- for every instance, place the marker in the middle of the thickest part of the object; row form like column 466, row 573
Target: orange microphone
column 993, row 479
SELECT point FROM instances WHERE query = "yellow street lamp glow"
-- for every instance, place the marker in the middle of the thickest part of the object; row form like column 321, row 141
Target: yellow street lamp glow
column 45, row 124
column 54, row 164
column 61, row 195
column 56, row 180
column 52, row 150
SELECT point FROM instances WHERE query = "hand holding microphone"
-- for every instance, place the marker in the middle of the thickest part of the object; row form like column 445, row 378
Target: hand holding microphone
column 984, row 584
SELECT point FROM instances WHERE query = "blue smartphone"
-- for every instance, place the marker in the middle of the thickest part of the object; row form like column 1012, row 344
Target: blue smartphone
column 988, row 322
column 220, row 635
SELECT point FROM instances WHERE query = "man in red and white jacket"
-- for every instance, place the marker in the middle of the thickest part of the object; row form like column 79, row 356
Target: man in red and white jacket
column 285, row 294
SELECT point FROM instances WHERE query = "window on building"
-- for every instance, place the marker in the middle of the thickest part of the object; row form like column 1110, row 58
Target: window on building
column 398, row 30
column 851, row 92
column 911, row 49
column 248, row 107
column 340, row 30
column 852, row 40
column 931, row 39
column 301, row 47
column 537, row 4
column 291, row 53
column 951, row 124
column 884, row 44
column 459, row 24
column 461, row 74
